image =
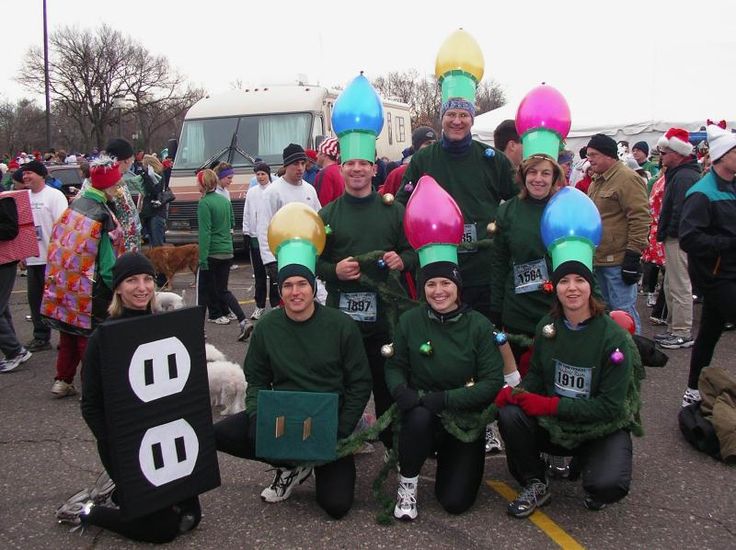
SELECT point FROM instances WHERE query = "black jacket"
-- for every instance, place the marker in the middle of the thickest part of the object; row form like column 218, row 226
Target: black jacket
column 677, row 181
column 708, row 231
column 93, row 398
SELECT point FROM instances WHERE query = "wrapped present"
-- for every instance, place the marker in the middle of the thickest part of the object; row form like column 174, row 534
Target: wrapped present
column 297, row 426
column 25, row 245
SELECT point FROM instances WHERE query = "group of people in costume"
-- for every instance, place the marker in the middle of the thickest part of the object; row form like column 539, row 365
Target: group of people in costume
column 439, row 367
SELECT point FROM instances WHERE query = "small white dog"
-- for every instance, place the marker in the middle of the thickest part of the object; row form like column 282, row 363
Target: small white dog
column 168, row 301
column 227, row 382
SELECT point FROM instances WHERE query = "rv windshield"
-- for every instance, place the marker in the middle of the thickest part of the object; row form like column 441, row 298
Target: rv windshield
column 263, row 136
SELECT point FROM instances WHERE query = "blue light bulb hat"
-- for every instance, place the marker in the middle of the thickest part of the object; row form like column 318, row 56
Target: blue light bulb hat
column 357, row 119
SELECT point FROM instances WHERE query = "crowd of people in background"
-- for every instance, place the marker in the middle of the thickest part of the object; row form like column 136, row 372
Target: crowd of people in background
column 670, row 220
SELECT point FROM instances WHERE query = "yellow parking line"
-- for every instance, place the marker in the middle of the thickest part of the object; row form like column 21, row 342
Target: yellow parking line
column 540, row 519
column 247, row 302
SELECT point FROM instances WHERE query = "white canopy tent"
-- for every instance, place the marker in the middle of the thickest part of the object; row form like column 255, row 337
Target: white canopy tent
column 641, row 120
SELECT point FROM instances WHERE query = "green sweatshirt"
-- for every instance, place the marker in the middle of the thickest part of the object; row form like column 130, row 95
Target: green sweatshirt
column 518, row 242
column 361, row 225
column 591, row 386
column 215, row 220
column 464, row 361
column 477, row 183
column 322, row 354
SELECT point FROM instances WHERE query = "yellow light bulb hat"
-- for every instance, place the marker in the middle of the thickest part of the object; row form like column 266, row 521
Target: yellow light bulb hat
column 459, row 66
column 296, row 236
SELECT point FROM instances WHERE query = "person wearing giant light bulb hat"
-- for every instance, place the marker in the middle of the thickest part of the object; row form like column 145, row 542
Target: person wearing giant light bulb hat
column 302, row 347
column 577, row 398
column 362, row 221
column 445, row 362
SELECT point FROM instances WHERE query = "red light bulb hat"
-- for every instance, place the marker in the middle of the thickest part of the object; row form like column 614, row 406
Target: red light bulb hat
column 543, row 121
column 433, row 223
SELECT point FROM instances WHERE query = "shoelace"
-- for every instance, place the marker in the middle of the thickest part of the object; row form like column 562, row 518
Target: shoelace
column 407, row 495
column 280, row 481
column 531, row 493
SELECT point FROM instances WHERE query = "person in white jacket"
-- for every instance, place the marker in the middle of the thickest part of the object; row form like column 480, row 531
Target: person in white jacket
column 290, row 187
column 253, row 202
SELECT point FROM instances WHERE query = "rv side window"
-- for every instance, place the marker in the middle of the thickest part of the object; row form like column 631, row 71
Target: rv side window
column 390, row 129
column 401, row 130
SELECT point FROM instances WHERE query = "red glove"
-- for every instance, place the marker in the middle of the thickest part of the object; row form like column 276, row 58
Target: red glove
column 534, row 404
column 504, row 397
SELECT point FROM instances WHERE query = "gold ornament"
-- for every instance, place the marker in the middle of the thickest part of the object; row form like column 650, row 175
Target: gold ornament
column 388, row 199
column 387, row 350
column 548, row 331
column 470, row 383
column 492, row 228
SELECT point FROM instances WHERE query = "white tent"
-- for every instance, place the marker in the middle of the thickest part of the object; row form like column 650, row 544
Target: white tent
column 631, row 121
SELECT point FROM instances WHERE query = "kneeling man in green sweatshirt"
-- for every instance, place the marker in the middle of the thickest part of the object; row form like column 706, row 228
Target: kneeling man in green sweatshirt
column 302, row 347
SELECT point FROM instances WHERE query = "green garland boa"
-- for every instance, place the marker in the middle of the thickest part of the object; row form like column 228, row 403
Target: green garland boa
column 571, row 433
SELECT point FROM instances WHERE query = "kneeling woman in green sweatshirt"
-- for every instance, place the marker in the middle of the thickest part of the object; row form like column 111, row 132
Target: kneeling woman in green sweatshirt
column 579, row 374
column 444, row 359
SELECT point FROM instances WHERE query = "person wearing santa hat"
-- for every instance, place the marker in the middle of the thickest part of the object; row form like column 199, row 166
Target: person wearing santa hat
column 683, row 171
column 708, row 235
column 85, row 242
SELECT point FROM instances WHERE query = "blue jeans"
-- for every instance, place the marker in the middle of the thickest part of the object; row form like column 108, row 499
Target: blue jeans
column 156, row 229
column 616, row 293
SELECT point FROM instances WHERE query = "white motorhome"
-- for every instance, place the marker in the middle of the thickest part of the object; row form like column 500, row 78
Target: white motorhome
column 238, row 126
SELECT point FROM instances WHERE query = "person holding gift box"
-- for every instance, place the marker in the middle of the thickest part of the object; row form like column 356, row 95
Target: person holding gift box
column 362, row 221
column 85, row 242
column 581, row 374
column 476, row 175
column 444, row 359
column 302, row 347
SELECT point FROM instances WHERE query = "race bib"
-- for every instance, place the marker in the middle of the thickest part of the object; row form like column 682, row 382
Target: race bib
column 572, row 381
column 470, row 234
column 530, row 276
column 361, row 306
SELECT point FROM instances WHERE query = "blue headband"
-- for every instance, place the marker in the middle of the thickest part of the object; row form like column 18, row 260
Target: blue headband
column 225, row 173
column 458, row 103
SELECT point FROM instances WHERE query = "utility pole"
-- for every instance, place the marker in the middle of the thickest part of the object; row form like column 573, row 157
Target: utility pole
column 46, row 78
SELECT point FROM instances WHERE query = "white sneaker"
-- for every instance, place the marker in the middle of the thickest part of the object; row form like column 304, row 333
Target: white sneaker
column 651, row 299
column 690, row 397
column 246, row 328
column 257, row 313
column 62, row 389
column 232, row 316
column 406, row 498
column 493, row 438
column 284, row 482
column 222, row 320
column 6, row 365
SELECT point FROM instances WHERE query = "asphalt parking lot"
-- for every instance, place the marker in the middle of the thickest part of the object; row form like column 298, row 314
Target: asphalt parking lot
column 679, row 498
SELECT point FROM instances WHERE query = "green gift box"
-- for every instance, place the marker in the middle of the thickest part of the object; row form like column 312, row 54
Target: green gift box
column 297, row 426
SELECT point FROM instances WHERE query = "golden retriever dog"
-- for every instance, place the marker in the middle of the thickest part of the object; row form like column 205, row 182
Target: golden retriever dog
column 169, row 260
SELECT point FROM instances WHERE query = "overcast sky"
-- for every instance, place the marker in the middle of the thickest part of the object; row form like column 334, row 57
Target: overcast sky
column 662, row 50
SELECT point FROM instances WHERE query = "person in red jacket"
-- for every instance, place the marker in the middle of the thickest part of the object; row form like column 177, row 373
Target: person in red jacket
column 421, row 137
column 329, row 182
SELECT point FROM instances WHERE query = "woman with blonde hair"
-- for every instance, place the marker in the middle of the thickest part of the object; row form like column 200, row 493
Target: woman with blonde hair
column 215, row 220
column 133, row 296
column 520, row 265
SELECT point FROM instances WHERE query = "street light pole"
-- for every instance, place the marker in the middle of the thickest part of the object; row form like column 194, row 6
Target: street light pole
column 46, row 78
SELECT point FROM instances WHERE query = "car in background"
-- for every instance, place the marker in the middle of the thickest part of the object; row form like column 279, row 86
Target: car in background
column 70, row 176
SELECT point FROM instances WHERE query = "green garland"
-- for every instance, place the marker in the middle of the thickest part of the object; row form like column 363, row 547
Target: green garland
column 571, row 433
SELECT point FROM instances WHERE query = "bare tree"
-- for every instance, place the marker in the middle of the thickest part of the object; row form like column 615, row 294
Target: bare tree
column 101, row 79
column 21, row 126
column 489, row 96
column 157, row 94
column 424, row 96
